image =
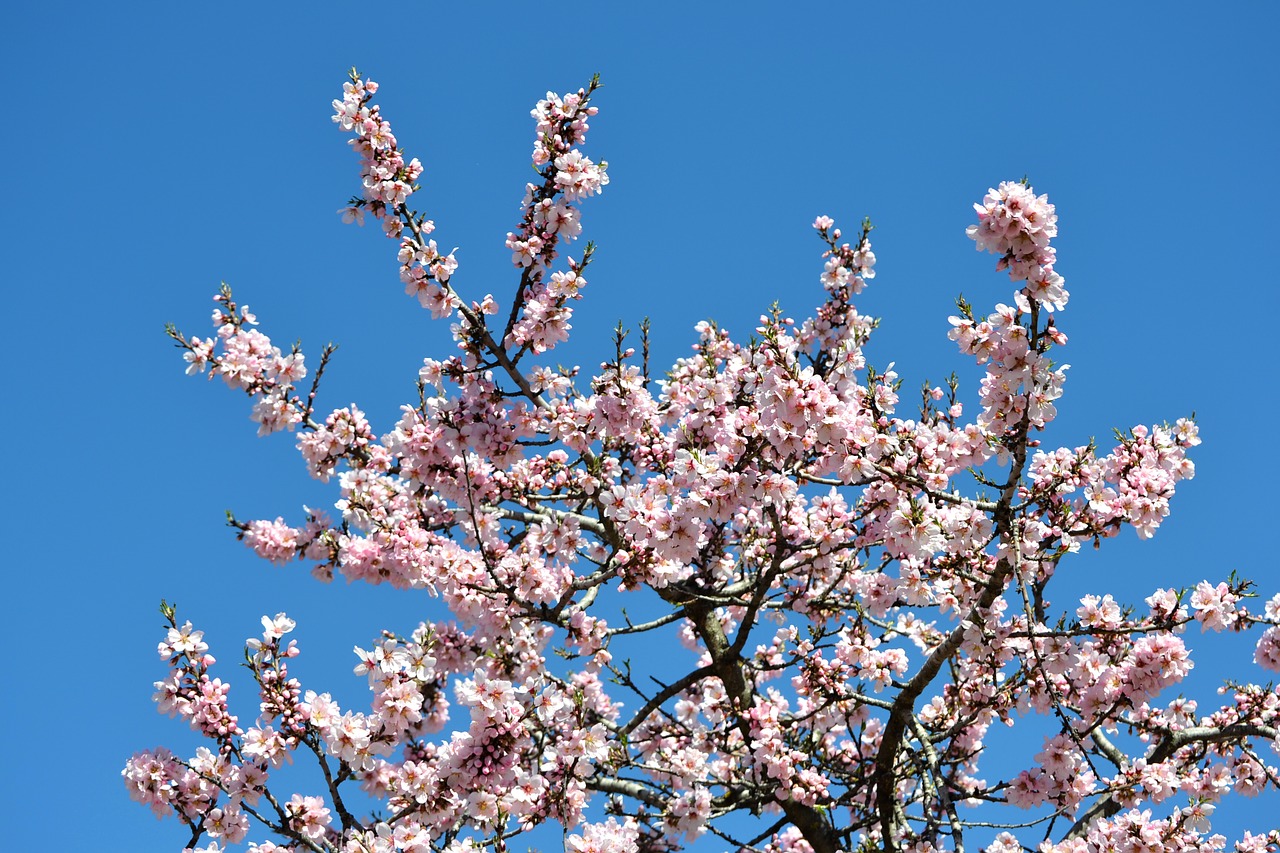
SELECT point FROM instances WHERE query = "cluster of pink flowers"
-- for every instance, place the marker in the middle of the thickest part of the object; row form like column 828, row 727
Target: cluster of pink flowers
column 345, row 431
column 550, row 217
column 1139, row 831
column 841, row 625
column 1021, row 382
column 1061, row 774
column 388, row 180
column 847, row 270
column 189, row 692
column 280, row 543
column 608, row 837
column 246, row 359
column 1017, row 225
column 1087, row 496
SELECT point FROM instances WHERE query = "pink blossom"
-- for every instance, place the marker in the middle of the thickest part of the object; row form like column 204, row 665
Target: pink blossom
column 773, row 581
column 308, row 816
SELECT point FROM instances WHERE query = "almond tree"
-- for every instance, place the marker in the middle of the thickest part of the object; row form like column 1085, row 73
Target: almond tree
column 861, row 594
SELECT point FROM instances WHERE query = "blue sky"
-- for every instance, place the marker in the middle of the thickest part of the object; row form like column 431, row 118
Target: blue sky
column 157, row 149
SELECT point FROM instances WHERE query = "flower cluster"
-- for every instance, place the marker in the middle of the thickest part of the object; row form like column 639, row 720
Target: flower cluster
column 846, row 272
column 550, row 217
column 388, row 183
column 1017, row 225
column 388, row 179
column 246, row 359
column 189, row 692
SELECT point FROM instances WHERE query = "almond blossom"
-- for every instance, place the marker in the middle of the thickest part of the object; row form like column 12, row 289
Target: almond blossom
column 759, row 602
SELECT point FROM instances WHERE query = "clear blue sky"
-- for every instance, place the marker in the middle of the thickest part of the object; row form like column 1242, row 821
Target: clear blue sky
column 155, row 149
